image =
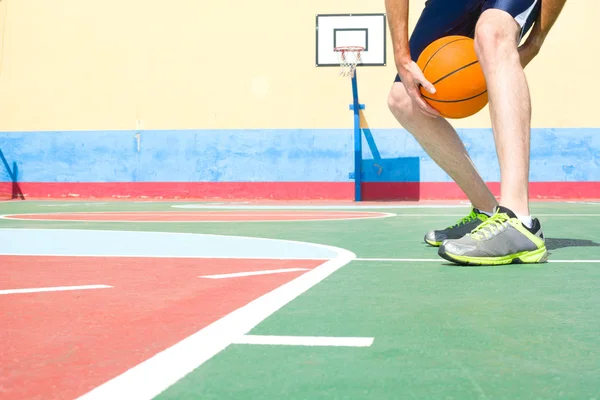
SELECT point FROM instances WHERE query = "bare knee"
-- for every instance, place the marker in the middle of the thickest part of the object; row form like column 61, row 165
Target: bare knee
column 496, row 37
column 399, row 103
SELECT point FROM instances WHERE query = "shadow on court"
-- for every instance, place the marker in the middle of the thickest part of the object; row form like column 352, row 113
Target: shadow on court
column 12, row 174
column 554, row 244
column 559, row 243
column 388, row 178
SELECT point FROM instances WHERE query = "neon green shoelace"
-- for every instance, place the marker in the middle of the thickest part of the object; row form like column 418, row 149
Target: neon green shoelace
column 468, row 218
column 490, row 226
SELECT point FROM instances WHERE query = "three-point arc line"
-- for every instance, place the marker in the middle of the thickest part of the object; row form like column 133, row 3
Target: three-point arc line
column 153, row 375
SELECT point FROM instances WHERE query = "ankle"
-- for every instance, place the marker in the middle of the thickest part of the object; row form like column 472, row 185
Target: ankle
column 525, row 217
column 525, row 220
column 518, row 208
column 487, row 209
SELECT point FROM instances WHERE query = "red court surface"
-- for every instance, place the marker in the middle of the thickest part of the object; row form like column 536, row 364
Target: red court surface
column 208, row 216
column 63, row 344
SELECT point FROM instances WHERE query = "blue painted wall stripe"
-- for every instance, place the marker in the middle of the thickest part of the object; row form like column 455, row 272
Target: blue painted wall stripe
column 301, row 155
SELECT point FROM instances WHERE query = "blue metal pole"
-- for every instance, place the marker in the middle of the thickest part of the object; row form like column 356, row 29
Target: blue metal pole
column 357, row 141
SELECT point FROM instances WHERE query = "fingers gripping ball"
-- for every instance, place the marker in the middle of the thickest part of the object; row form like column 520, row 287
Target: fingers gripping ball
column 451, row 65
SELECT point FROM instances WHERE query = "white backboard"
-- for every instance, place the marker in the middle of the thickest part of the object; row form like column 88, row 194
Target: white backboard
column 365, row 30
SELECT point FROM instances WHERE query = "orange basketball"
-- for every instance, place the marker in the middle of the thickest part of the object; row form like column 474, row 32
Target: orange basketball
column 451, row 65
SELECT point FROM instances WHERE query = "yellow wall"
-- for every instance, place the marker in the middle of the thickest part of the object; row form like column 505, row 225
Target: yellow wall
column 195, row 64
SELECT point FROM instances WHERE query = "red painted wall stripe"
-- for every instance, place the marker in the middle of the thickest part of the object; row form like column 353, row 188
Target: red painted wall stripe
column 5, row 190
column 293, row 190
column 451, row 191
column 202, row 190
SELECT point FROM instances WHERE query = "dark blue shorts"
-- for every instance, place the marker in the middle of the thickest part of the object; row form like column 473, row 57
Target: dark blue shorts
column 458, row 17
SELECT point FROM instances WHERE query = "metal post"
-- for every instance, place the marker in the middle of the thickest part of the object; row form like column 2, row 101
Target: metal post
column 357, row 140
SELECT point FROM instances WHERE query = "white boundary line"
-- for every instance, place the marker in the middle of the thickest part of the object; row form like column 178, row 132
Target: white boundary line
column 163, row 256
column 462, row 215
column 305, row 341
column 261, row 258
column 165, row 202
column 401, row 259
column 253, row 273
column 53, row 289
column 9, row 217
column 321, row 207
column 566, row 215
column 380, row 215
column 70, row 205
column 156, row 374
column 442, row 260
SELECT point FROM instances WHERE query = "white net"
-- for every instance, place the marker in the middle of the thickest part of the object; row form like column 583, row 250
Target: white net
column 349, row 57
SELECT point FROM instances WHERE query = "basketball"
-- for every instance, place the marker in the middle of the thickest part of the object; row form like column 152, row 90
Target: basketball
column 451, row 65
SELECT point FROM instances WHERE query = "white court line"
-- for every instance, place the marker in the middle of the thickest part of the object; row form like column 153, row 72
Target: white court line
column 566, row 215
column 323, row 207
column 205, row 213
column 306, row 340
column 401, row 259
column 264, row 272
column 162, row 256
column 376, row 215
column 150, row 378
column 53, row 289
column 70, row 204
column 442, row 260
column 462, row 215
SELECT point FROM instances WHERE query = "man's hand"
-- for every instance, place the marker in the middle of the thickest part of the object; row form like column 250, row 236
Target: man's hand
column 412, row 77
column 550, row 10
column 410, row 73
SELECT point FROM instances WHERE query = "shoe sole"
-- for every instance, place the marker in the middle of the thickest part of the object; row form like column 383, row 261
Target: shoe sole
column 526, row 257
column 432, row 243
column 438, row 244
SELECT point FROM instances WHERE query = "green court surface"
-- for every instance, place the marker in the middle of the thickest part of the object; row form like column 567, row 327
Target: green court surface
column 440, row 331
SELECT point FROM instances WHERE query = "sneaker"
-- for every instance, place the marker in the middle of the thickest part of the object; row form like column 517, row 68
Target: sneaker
column 501, row 239
column 458, row 230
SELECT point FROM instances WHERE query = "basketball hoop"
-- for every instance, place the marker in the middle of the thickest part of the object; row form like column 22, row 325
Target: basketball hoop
column 349, row 57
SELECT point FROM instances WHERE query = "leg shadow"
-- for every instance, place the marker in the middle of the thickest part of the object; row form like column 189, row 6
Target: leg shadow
column 551, row 244
column 560, row 243
column 13, row 174
column 388, row 179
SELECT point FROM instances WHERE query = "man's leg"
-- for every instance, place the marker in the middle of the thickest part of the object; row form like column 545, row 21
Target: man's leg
column 441, row 142
column 510, row 235
column 497, row 36
column 437, row 137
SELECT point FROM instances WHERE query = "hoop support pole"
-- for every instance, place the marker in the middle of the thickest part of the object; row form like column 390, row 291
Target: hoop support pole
column 356, row 107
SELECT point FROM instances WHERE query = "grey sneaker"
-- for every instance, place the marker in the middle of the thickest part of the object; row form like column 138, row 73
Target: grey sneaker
column 501, row 239
column 458, row 230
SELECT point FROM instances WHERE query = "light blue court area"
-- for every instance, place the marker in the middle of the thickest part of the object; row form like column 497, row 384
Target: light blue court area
column 71, row 242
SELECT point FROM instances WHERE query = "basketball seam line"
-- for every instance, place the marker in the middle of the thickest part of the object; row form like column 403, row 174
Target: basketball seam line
column 456, row 101
column 455, row 71
column 438, row 50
